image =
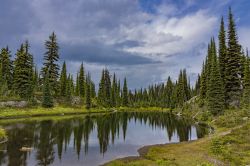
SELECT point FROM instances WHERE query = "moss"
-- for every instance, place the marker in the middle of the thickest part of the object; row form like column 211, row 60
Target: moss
column 2, row 133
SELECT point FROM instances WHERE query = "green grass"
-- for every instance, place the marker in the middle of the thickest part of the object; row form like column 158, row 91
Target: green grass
column 2, row 133
column 141, row 109
column 40, row 111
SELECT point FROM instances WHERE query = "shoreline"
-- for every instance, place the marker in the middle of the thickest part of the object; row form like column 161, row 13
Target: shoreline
column 142, row 151
column 19, row 113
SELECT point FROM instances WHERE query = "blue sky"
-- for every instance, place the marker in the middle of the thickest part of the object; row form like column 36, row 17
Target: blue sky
column 144, row 40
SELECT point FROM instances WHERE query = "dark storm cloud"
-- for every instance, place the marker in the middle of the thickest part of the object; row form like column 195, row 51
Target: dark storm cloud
column 96, row 52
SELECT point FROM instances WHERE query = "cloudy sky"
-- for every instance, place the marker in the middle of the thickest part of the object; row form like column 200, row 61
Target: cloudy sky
column 144, row 40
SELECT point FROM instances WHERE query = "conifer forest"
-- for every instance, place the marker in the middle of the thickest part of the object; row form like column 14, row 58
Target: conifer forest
column 51, row 116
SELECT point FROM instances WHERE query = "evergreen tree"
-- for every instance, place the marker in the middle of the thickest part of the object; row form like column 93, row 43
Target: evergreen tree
column 203, row 86
column 232, row 77
column 88, row 92
column 63, row 81
column 222, row 51
column 107, row 85
column 101, row 91
column 47, row 97
column 246, row 85
column 169, row 92
column 50, row 65
column 68, row 88
column 125, row 93
column 77, row 85
column 180, row 90
column 23, row 72
column 114, row 91
column 6, row 67
column 81, row 80
column 215, row 93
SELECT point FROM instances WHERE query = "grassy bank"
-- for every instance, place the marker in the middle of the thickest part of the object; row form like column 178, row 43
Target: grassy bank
column 14, row 113
column 229, row 144
column 8, row 113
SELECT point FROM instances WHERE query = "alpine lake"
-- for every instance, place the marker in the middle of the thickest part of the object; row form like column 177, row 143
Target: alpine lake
column 92, row 139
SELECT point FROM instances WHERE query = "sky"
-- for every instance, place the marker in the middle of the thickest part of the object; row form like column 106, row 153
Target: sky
column 143, row 40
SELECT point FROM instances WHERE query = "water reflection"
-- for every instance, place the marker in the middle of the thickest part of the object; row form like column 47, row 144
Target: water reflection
column 113, row 135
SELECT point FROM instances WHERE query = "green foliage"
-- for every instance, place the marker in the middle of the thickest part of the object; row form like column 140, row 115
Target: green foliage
column 215, row 93
column 125, row 93
column 246, row 85
column 88, row 92
column 23, row 72
column 232, row 65
column 222, row 50
column 6, row 67
column 81, row 81
column 47, row 96
column 50, row 65
column 63, row 81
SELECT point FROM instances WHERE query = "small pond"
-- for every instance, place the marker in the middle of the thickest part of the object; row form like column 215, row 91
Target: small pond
column 92, row 139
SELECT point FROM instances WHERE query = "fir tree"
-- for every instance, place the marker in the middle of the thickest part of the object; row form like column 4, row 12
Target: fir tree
column 68, row 88
column 77, row 85
column 50, row 65
column 47, row 97
column 81, row 80
column 113, row 91
column 101, row 91
column 107, row 92
column 63, row 81
column 6, row 66
column 215, row 93
column 222, row 51
column 203, row 86
column 169, row 92
column 23, row 71
column 232, row 77
column 125, row 93
column 246, row 85
column 88, row 92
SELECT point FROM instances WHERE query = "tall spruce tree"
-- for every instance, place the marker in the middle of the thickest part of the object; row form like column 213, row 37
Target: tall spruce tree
column 203, row 86
column 222, row 50
column 101, row 91
column 77, row 85
column 81, row 80
column 88, row 92
column 47, row 97
column 23, row 72
column 246, row 85
column 50, row 65
column 107, row 85
column 232, row 68
column 125, row 93
column 63, row 81
column 215, row 93
column 114, row 91
column 6, row 67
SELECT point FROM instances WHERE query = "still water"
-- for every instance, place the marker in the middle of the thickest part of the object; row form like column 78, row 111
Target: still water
column 92, row 139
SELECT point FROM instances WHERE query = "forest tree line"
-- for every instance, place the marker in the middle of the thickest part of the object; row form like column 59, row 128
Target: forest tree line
column 224, row 80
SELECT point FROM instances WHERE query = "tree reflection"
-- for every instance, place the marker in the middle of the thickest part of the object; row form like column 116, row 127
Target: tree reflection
column 49, row 137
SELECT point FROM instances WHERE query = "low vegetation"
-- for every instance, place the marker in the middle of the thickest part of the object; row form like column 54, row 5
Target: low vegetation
column 2, row 134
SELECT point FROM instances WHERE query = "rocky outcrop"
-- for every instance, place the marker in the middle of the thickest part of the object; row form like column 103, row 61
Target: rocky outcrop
column 15, row 104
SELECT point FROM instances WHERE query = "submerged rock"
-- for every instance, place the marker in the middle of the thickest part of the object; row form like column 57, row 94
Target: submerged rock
column 26, row 149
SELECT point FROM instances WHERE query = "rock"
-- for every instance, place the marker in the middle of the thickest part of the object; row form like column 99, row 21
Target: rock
column 245, row 118
column 26, row 149
column 76, row 100
column 18, row 104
